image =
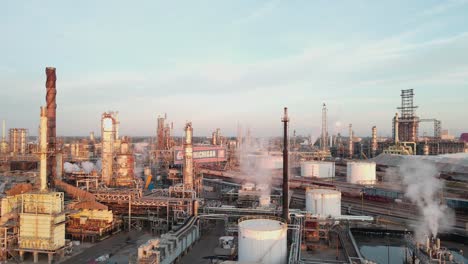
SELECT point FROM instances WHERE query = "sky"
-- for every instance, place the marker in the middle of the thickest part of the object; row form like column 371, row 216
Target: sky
column 223, row 63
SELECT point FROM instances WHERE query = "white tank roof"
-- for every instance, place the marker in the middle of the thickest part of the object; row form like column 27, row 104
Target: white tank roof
column 262, row 224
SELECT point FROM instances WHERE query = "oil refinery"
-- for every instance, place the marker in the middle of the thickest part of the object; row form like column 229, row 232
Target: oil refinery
column 216, row 198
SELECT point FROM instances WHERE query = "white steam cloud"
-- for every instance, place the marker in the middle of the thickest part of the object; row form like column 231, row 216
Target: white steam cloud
column 423, row 188
column 70, row 167
column 257, row 164
column 86, row 166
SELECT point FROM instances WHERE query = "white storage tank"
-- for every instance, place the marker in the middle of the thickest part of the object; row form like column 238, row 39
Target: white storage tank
column 361, row 172
column 263, row 241
column 324, row 202
column 318, row 169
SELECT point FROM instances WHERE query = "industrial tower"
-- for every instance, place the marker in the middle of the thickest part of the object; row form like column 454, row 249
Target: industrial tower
column 408, row 122
column 324, row 138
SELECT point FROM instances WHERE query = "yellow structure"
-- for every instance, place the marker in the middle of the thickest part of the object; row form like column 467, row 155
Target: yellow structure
column 42, row 221
column 91, row 224
column 401, row 148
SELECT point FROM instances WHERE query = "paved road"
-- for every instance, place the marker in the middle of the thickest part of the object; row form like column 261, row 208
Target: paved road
column 204, row 248
column 112, row 246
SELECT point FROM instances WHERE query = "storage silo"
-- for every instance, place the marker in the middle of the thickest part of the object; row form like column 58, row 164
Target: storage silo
column 318, row 169
column 361, row 172
column 262, row 240
column 324, row 202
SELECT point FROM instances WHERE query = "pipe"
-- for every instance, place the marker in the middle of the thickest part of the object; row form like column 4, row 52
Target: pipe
column 43, row 150
column 51, row 123
column 285, row 121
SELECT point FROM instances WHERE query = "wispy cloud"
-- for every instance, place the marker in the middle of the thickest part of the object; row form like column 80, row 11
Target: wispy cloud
column 443, row 7
column 258, row 13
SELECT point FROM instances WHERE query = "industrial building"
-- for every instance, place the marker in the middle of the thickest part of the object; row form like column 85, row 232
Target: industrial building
column 216, row 198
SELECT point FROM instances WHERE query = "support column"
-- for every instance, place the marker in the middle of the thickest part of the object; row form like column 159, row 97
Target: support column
column 36, row 257
column 51, row 257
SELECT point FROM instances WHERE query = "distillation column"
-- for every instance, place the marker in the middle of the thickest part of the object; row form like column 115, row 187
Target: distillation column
column 43, row 150
column 188, row 159
column 107, row 153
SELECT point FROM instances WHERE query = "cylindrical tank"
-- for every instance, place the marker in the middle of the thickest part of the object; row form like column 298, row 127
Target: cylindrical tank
column 318, row 169
column 263, row 241
column 323, row 202
column 361, row 172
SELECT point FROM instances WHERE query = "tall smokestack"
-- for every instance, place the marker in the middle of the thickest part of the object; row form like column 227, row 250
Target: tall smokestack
column 350, row 146
column 324, row 138
column 43, row 150
column 285, row 121
column 51, row 125
column 188, row 160
column 396, row 128
column 374, row 141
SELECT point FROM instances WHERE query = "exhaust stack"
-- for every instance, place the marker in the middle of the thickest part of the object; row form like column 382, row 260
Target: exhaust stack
column 285, row 121
column 43, row 150
column 350, row 143
column 374, row 144
column 51, row 125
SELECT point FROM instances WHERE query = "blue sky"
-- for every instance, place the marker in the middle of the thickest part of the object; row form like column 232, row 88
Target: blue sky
column 217, row 63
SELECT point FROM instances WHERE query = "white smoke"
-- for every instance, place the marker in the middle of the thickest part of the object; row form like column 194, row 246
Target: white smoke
column 140, row 147
column 252, row 164
column 87, row 166
column 70, row 167
column 99, row 165
column 423, row 188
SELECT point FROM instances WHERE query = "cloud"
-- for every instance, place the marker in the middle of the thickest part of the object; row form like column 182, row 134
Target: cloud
column 258, row 13
column 443, row 7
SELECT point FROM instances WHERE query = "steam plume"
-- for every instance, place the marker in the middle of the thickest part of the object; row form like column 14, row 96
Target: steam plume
column 423, row 189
